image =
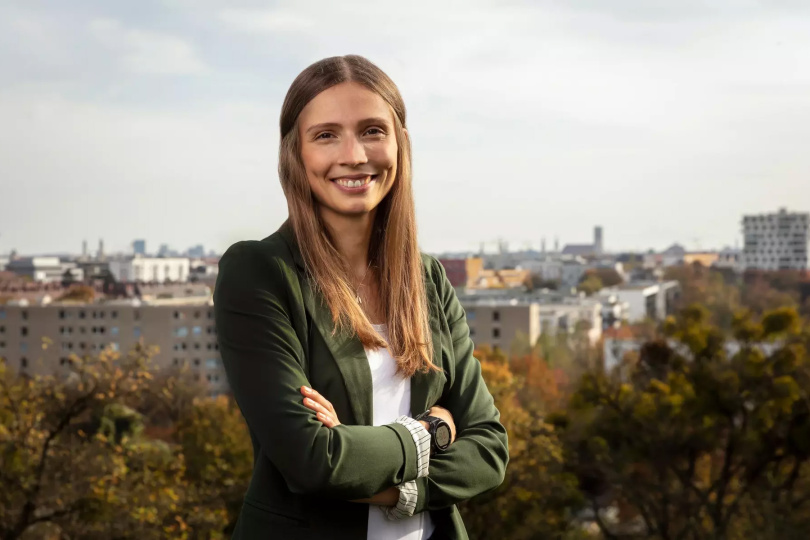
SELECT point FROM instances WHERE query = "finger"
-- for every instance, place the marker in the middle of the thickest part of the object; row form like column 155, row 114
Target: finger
column 315, row 406
column 327, row 420
column 314, row 394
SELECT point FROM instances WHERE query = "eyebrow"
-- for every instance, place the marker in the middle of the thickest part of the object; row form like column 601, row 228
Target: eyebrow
column 366, row 121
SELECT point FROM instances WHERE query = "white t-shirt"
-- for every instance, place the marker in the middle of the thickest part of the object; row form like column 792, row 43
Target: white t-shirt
column 392, row 399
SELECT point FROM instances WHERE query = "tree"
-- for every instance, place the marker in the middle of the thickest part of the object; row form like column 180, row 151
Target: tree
column 78, row 457
column 590, row 284
column 78, row 293
column 707, row 435
column 537, row 495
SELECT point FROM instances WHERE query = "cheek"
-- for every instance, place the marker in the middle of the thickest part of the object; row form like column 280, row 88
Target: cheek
column 385, row 156
column 316, row 164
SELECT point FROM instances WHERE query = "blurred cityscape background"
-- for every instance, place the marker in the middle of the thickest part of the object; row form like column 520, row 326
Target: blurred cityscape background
column 628, row 236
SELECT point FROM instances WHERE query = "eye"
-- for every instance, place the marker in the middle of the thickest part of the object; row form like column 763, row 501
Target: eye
column 375, row 132
column 323, row 136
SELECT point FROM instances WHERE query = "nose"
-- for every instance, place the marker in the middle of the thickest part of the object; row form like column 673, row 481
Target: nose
column 352, row 152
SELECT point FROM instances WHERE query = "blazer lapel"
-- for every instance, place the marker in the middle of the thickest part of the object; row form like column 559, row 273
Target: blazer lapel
column 349, row 355
column 424, row 385
column 346, row 349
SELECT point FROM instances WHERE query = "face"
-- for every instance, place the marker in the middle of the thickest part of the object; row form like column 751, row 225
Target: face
column 348, row 148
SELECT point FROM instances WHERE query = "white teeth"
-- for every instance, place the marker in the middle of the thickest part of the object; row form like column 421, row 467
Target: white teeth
column 354, row 183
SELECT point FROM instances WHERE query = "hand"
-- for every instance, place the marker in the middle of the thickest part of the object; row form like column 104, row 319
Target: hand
column 325, row 412
column 444, row 414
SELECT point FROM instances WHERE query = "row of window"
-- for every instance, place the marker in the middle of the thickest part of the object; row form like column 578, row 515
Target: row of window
column 82, row 314
column 210, row 363
column 184, row 346
column 182, row 331
column 197, row 314
column 82, row 346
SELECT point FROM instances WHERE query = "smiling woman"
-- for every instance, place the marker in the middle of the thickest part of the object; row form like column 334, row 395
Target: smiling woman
column 345, row 346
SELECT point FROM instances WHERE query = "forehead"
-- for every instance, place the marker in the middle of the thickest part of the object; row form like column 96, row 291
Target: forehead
column 345, row 103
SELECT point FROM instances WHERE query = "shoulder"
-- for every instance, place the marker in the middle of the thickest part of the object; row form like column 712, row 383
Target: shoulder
column 433, row 269
column 247, row 263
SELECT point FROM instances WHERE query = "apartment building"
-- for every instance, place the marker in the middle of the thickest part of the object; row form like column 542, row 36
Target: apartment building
column 182, row 329
column 776, row 241
column 496, row 321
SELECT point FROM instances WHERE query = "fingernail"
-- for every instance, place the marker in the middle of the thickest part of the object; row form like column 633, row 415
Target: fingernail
column 307, row 389
column 307, row 400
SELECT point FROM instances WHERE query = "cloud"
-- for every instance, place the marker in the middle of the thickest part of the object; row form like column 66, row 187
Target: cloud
column 147, row 52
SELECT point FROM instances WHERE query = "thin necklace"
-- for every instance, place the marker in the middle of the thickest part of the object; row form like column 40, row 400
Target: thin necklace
column 362, row 281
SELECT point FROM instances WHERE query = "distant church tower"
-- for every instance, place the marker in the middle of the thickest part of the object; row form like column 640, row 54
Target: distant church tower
column 598, row 240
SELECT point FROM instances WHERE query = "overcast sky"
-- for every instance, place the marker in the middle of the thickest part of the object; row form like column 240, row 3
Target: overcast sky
column 662, row 121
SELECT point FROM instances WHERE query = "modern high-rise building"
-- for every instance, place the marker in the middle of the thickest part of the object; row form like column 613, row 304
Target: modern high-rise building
column 776, row 241
column 139, row 247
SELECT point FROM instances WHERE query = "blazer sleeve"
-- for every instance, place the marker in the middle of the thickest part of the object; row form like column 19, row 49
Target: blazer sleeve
column 476, row 461
column 263, row 359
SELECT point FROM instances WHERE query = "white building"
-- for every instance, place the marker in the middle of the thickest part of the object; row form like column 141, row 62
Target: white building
column 150, row 269
column 654, row 300
column 777, row 241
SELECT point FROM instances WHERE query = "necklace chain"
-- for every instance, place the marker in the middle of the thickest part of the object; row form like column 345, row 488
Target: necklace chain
column 362, row 282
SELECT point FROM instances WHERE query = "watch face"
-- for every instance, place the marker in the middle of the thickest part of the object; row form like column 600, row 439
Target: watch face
column 443, row 436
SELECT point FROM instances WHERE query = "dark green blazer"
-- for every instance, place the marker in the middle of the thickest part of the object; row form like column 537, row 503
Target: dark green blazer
column 275, row 335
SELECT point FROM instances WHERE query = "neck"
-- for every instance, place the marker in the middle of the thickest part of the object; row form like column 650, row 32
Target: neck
column 351, row 235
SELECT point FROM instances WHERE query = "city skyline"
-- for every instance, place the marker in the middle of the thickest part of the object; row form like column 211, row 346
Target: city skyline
column 663, row 123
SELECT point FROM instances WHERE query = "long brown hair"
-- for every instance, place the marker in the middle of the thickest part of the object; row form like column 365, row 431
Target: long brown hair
column 393, row 251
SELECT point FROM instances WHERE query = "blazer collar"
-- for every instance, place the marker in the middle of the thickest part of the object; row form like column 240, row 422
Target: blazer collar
column 348, row 351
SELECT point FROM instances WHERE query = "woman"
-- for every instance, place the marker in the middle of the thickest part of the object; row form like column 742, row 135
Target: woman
column 335, row 331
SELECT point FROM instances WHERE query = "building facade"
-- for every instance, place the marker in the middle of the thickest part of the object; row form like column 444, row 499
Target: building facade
column 182, row 329
column 777, row 241
column 152, row 269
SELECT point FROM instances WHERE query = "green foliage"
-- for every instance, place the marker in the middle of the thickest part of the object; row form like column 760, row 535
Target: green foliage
column 77, row 458
column 701, row 437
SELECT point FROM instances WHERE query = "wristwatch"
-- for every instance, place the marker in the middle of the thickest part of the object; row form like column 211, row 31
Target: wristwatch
column 440, row 434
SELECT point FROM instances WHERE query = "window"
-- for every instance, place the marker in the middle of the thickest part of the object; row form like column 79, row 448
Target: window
column 496, row 333
column 114, row 331
column 176, row 314
column 181, row 331
column 471, row 315
column 197, row 330
column 137, row 315
column 23, row 330
column 2, row 313
column 472, row 332
column 114, row 345
column 211, row 363
column 496, row 315
column 61, row 313
column 23, row 362
column 24, row 314
column 2, row 329
column 196, row 361
column 82, row 314
column 210, row 314
column 23, row 346
column 136, row 332
column 114, row 314
column 196, row 314
column 2, row 344
column 196, row 346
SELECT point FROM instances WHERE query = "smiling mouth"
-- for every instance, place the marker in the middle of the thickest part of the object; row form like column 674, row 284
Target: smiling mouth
column 355, row 182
